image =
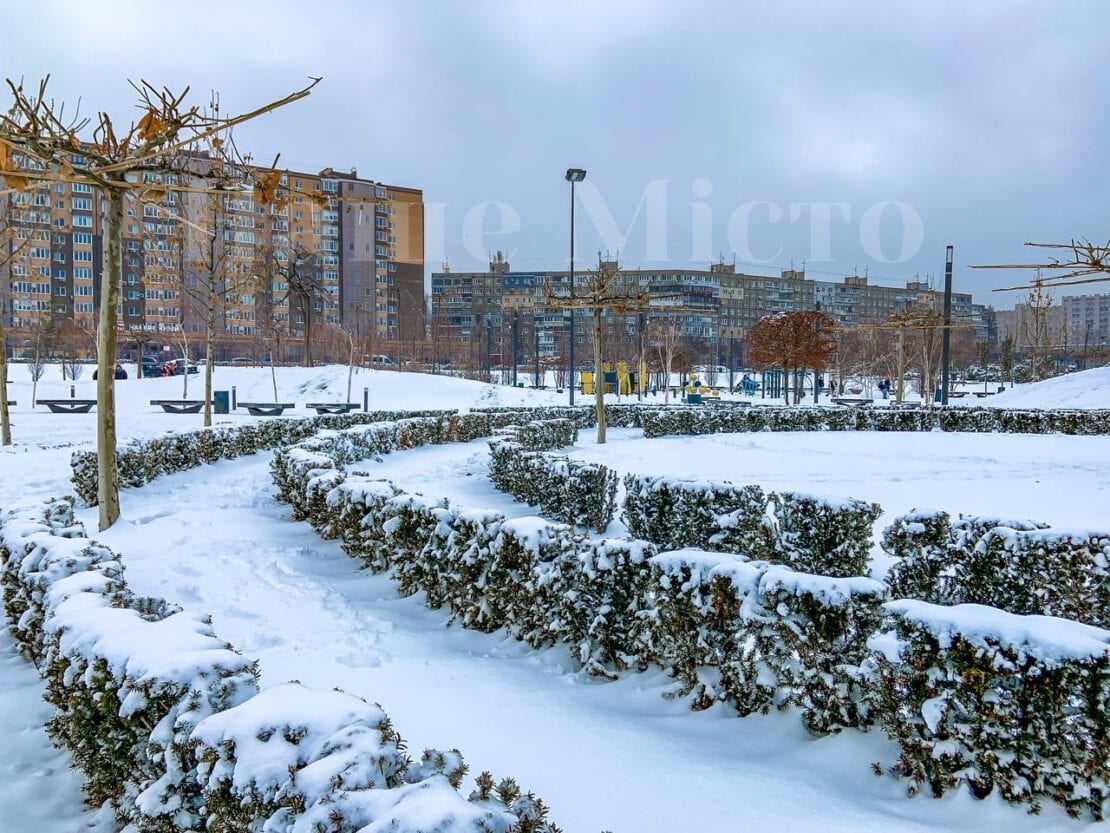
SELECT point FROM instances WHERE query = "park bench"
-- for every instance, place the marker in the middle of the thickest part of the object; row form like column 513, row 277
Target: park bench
column 67, row 406
column 333, row 407
column 179, row 406
column 852, row 401
column 982, row 393
column 265, row 408
column 957, row 394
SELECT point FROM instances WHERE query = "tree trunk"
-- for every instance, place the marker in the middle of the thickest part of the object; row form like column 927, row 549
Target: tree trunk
column 209, row 357
column 5, row 419
column 900, row 368
column 785, row 385
column 306, row 308
column 107, row 488
column 599, row 379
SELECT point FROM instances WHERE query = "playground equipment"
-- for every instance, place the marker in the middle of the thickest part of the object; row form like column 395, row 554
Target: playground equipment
column 618, row 380
column 695, row 392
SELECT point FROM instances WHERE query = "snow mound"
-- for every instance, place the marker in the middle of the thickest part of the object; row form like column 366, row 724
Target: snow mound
column 1087, row 389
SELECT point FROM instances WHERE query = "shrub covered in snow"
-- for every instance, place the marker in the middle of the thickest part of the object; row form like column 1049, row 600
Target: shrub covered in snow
column 760, row 636
column 1016, row 565
column 658, row 422
column 167, row 725
column 141, row 461
column 688, row 512
column 829, row 536
column 1018, row 704
column 566, row 490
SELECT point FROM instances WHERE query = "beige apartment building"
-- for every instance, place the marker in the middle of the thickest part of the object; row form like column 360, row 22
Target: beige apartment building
column 362, row 241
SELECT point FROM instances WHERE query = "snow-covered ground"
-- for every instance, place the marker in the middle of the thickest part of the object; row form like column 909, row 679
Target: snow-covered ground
column 607, row 756
column 1086, row 389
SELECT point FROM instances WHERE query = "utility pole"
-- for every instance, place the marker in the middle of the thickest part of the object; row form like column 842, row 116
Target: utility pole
column 516, row 345
column 536, row 350
column 946, row 338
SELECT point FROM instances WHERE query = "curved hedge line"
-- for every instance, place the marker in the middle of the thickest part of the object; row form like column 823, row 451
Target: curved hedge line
column 687, row 420
column 141, row 461
column 167, row 723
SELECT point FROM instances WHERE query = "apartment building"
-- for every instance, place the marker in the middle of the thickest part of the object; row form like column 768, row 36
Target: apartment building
column 362, row 241
column 710, row 306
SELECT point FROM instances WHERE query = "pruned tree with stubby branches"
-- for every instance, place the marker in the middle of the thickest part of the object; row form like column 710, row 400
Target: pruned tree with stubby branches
column 41, row 141
column 792, row 340
column 1071, row 264
column 601, row 290
column 10, row 248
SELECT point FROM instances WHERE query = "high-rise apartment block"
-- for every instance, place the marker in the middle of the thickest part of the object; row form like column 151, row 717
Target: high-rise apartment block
column 362, row 241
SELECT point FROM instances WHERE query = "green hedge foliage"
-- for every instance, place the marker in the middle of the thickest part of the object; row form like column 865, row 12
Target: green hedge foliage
column 1016, row 565
column 996, row 701
column 168, row 727
column 827, row 536
column 658, row 422
column 141, row 461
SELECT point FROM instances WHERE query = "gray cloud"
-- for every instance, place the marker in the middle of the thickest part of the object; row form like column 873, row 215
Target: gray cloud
column 988, row 118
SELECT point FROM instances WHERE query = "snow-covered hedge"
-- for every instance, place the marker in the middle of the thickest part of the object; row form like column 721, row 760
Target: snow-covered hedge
column 760, row 636
column 997, row 701
column 658, row 422
column 784, row 638
column 168, row 727
column 141, row 461
column 828, row 536
column 566, row 490
column 1016, row 565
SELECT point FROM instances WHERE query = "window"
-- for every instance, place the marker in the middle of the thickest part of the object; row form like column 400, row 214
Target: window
column 82, row 221
column 81, row 188
column 59, row 274
column 82, row 204
column 82, row 238
column 82, row 273
column 40, row 253
column 59, row 290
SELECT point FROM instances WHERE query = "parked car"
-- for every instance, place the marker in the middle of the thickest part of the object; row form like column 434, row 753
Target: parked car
column 383, row 361
column 119, row 374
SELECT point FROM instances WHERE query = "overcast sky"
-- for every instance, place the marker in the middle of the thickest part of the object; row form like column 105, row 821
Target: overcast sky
column 973, row 123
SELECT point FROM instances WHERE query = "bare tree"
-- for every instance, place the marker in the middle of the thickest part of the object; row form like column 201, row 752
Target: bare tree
column 11, row 247
column 1082, row 262
column 300, row 270
column 1035, row 329
column 114, row 162
column 667, row 338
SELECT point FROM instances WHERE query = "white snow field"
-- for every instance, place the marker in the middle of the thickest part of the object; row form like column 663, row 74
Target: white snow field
column 1086, row 389
column 615, row 756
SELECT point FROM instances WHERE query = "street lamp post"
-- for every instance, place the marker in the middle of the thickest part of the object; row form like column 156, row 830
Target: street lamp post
column 573, row 176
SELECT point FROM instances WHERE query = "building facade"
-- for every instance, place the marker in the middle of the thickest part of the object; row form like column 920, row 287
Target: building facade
column 362, row 240
column 711, row 308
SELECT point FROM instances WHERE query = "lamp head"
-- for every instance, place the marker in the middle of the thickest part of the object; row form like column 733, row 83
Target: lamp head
column 575, row 174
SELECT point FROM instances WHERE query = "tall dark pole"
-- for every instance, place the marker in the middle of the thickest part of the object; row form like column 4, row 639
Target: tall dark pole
column 536, row 354
column 516, row 344
column 946, row 339
column 572, row 293
column 489, row 348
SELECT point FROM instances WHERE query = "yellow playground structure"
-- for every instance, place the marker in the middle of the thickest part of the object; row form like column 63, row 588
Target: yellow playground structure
column 618, row 381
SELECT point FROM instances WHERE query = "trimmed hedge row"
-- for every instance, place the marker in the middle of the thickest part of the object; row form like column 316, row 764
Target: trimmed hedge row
column 1018, row 566
column 167, row 724
column 1017, row 704
column 827, row 536
column 569, row 491
column 141, row 461
column 773, row 639
column 686, row 420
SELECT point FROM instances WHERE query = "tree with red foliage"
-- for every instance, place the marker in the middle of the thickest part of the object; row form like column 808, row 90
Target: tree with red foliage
column 792, row 340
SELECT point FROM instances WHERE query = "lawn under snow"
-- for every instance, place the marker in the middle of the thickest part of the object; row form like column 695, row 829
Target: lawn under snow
column 1087, row 389
column 605, row 755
